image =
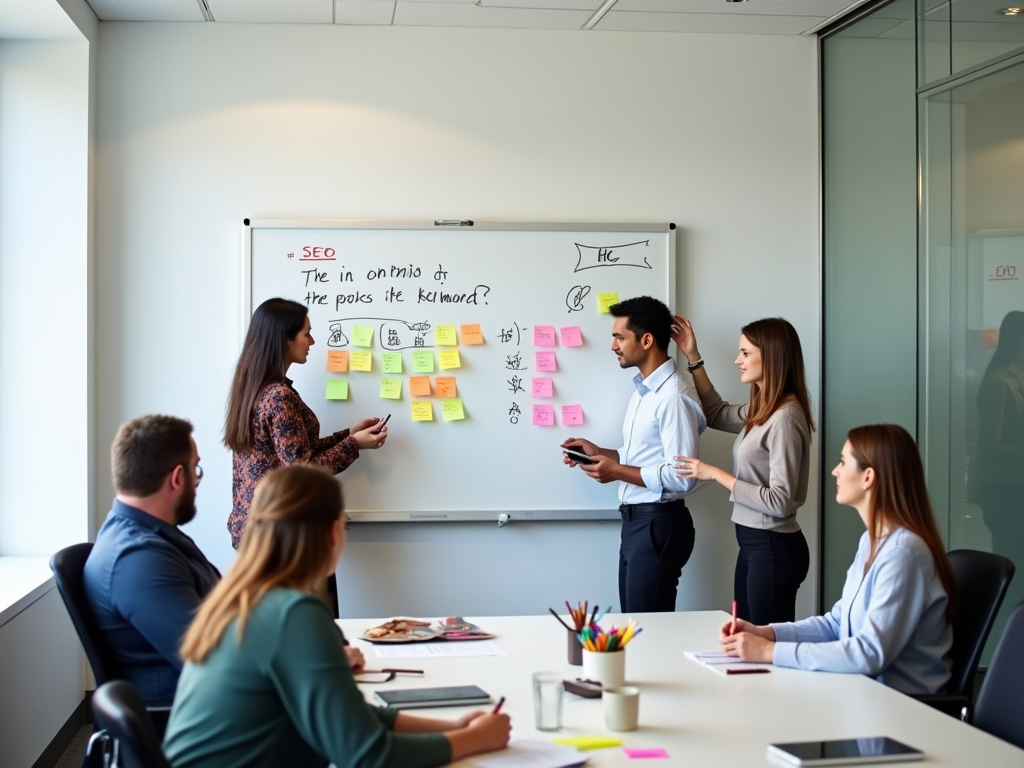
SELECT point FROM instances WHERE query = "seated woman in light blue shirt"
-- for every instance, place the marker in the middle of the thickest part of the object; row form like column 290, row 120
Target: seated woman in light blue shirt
column 893, row 619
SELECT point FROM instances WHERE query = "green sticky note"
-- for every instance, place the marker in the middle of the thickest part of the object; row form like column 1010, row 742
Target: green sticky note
column 337, row 389
column 445, row 335
column 452, row 409
column 362, row 335
column 605, row 301
column 391, row 362
column 391, row 389
column 589, row 742
column 423, row 361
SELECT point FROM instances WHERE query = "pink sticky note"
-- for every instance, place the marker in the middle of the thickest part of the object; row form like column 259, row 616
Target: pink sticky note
column 543, row 387
column 543, row 416
column 636, row 754
column 572, row 415
column 543, row 335
column 572, row 336
column 546, row 361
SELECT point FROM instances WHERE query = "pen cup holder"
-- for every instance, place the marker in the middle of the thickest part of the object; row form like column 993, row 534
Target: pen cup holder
column 575, row 649
column 607, row 668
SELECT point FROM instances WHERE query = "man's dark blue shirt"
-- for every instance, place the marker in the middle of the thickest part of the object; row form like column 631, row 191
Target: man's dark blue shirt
column 144, row 580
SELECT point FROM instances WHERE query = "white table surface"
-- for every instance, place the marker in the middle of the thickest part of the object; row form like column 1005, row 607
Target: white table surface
column 700, row 717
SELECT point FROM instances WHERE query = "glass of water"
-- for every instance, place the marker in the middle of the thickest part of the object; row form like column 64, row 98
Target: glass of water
column 547, row 700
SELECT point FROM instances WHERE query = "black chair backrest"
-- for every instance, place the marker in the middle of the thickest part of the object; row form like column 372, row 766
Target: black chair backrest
column 118, row 709
column 981, row 581
column 68, row 567
column 1000, row 706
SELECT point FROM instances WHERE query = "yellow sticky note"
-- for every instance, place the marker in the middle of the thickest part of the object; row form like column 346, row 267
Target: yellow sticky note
column 423, row 361
column 445, row 336
column 605, row 300
column 452, row 409
column 589, row 742
column 337, row 389
column 422, row 410
column 444, row 386
column 362, row 335
column 337, row 360
column 391, row 389
column 471, row 334
column 362, row 361
column 450, row 359
column 391, row 362
column 419, row 386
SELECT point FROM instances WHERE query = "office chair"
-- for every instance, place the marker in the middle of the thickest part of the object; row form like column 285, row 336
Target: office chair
column 1000, row 706
column 981, row 580
column 68, row 566
column 132, row 741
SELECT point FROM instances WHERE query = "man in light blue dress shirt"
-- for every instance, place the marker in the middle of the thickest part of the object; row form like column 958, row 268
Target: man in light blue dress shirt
column 663, row 420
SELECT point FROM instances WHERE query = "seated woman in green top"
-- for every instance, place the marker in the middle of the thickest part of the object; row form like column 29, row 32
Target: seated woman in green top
column 266, row 679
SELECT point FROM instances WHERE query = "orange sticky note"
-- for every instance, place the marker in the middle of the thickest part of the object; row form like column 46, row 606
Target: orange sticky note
column 337, row 360
column 419, row 386
column 444, row 386
column 471, row 334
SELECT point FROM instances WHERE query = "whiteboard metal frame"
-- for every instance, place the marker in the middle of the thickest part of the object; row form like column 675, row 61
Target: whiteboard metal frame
column 392, row 516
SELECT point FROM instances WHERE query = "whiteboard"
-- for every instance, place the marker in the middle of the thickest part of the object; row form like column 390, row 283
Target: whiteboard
column 409, row 283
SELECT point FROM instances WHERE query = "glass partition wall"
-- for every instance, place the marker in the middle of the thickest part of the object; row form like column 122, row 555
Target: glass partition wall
column 923, row 220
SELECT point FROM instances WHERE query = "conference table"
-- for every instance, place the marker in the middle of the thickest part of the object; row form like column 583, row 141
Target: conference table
column 699, row 716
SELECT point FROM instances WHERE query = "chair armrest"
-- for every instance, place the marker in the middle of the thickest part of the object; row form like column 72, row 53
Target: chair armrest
column 952, row 705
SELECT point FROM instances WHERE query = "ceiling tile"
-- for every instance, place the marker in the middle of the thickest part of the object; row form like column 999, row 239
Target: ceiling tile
column 902, row 31
column 984, row 11
column 988, row 33
column 820, row 8
column 706, row 22
column 468, row 15
column 379, row 12
column 551, row 5
column 147, row 10
column 273, row 11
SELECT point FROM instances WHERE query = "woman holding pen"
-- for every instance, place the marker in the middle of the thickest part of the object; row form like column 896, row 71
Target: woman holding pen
column 268, row 425
column 771, row 463
column 893, row 619
column 266, row 681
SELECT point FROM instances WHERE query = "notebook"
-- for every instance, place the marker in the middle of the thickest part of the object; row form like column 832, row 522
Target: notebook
column 454, row 696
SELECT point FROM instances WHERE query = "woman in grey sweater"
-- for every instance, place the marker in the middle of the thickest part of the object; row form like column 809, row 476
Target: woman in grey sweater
column 771, row 463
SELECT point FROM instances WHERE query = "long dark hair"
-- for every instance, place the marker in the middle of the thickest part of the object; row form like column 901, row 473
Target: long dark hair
column 900, row 496
column 1011, row 334
column 274, row 323
column 782, row 366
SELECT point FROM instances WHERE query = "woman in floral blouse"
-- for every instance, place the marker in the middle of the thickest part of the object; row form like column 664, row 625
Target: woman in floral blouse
column 268, row 425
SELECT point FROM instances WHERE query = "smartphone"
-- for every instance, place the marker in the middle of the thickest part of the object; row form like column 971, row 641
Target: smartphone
column 845, row 752
column 380, row 424
column 579, row 456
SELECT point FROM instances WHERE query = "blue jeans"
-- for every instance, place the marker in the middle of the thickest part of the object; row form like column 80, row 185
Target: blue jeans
column 769, row 570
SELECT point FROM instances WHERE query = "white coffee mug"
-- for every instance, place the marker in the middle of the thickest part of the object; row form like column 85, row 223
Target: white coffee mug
column 621, row 707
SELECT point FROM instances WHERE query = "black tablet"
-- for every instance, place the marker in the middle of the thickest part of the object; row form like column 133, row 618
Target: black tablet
column 412, row 698
column 880, row 749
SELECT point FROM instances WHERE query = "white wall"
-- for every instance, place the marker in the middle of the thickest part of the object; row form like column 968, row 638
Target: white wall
column 202, row 125
column 44, row 160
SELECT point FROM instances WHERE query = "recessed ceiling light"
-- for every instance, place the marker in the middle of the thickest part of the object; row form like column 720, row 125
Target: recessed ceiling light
column 735, row 1
column 1011, row 11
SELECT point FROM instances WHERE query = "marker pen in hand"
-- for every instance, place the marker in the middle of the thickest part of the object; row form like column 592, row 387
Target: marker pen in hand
column 497, row 707
column 732, row 630
column 382, row 424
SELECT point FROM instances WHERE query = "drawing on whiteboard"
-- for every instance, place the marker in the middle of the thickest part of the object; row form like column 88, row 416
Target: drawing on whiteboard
column 628, row 255
column 514, row 362
column 574, row 298
column 392, row 333
column 507, row 334
column 514, row 413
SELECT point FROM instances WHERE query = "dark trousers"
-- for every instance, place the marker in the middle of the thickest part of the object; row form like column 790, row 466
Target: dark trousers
column 769, row 570
column 657, row 540
column 332, row 594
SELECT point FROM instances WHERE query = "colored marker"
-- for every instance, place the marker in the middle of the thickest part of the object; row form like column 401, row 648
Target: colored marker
column 497, row 707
